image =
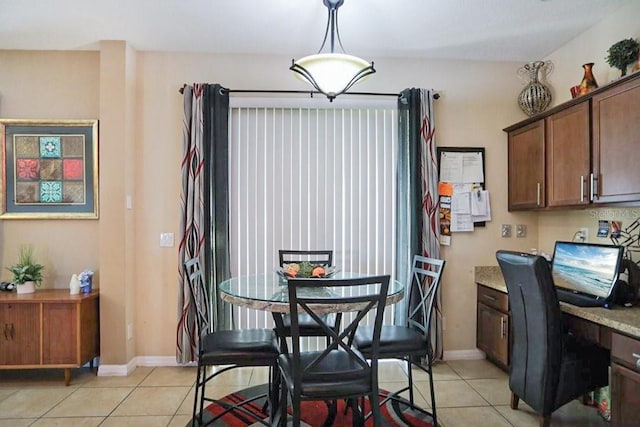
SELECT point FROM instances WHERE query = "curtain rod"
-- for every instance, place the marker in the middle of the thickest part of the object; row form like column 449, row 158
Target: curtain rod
column 311, row 93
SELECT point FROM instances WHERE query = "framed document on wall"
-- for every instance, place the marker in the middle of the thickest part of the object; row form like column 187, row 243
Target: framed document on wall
column 49, row 169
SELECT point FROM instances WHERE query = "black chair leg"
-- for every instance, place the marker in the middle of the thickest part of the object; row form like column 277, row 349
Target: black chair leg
column 514, row 401
column 332, row 412
column 433, row 394
column 357, row 412
column 195, row 400
column 410, row 376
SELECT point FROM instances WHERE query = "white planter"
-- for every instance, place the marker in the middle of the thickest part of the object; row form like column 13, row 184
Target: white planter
column 26, row 288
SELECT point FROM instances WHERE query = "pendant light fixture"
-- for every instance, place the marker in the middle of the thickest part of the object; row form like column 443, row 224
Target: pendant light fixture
column 332, row 73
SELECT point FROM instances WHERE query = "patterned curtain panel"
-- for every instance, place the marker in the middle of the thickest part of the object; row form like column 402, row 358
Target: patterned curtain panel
column 417, row 223
column 204, row 195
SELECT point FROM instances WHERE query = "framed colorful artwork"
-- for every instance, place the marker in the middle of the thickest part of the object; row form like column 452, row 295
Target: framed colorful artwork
column 49, row 169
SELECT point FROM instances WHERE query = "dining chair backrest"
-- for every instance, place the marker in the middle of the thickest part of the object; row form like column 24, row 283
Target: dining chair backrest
column 320, row 257
column 199, row 294
column 426, row 275
column 308, row 296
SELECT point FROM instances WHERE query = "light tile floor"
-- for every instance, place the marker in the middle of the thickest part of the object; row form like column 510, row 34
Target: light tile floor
column 469, row 393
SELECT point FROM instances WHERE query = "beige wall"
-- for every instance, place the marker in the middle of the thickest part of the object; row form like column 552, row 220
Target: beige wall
column 474, row 107
column 591, row 46
column 135, row 96
column 50, row 85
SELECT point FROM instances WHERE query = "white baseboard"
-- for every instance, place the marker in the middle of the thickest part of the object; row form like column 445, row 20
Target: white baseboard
column 474, row 354
column 117, row 370
column 124, row 370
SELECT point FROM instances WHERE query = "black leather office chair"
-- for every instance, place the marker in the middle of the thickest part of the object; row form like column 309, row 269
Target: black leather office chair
column 308, row 327
column 411, row 342
column 549, row 367
column 340, row 371
column 235, row 348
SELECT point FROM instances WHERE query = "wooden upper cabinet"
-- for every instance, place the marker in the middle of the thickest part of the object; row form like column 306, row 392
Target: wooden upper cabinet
column 578, row 153
column 616, row 142
column 526, row 167
column 568, row 152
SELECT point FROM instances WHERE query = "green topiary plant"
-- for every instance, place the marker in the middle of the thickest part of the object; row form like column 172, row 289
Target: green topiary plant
column 26, row 269
column 622, row 54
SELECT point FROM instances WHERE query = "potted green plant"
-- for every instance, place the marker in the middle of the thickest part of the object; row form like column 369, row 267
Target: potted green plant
column 622, row 54
column 27, row 273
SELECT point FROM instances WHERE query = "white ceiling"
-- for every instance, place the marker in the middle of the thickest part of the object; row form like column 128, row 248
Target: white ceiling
column 497, row 30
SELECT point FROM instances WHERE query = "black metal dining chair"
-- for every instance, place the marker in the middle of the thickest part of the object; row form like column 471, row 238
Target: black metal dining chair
column 308, row 327
column 340, row 371
column 225, row 350
column 411, row 342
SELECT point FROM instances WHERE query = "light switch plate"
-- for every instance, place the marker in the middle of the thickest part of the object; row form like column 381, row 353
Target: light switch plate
column 505, row 231
column 521, row 230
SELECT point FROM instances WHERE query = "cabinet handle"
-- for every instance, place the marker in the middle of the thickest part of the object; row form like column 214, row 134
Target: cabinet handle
column 538, row 194
column 6, row 332
column 502, row 328
column 594, row 186
column 13, row 331
column 489, row 297
column 581, row 188
column 637, row 356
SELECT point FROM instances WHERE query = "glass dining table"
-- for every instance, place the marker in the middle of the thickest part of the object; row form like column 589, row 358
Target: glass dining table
column 268, row 292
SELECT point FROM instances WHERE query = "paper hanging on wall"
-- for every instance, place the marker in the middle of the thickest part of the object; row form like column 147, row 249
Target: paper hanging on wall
column 461, row 167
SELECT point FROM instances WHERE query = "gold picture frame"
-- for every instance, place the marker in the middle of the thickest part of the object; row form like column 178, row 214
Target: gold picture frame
column 49, row 169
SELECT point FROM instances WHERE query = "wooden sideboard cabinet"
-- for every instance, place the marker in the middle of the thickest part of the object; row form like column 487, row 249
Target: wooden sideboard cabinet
column 579, row 152
column 493, row 327
column 49, row 329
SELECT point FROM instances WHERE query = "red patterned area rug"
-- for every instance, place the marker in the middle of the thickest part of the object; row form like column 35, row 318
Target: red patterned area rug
column 313, row 413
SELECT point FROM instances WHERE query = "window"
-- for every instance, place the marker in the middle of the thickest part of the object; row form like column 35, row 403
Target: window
column 309, row 177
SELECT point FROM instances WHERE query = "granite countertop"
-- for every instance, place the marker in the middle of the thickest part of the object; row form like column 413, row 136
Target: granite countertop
column 623, row 319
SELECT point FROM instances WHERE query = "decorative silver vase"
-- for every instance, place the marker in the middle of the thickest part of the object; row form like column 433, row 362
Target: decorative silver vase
column 535, row 97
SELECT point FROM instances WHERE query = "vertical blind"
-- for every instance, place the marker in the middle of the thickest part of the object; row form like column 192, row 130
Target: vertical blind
column 306, row 178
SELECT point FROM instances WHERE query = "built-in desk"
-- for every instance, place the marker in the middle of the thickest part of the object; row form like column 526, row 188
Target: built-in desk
column 616, row 329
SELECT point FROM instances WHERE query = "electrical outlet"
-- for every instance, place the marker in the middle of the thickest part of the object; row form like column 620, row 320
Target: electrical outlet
column 521, row 230
column 166, row 240
column 584, row 234
column 505, row 231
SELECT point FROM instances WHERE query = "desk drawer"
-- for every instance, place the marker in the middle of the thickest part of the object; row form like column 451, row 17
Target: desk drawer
column 493, row 298
column 626, row 350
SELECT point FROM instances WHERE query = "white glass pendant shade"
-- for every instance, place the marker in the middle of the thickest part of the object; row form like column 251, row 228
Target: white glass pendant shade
column 332, row 73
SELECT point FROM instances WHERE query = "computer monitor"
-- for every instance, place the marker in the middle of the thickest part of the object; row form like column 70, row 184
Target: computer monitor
column 587, row 269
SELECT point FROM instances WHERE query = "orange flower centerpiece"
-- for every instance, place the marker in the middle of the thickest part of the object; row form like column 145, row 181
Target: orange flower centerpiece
column 305, row 269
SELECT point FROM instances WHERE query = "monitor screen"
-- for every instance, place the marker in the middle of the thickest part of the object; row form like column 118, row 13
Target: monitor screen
column 586, row 268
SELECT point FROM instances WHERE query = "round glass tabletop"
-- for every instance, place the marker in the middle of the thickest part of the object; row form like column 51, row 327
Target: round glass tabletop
column 268, row 292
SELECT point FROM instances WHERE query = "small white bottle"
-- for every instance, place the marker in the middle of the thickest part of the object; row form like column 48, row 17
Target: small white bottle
column 74, row 285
